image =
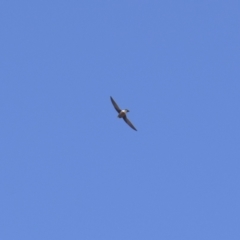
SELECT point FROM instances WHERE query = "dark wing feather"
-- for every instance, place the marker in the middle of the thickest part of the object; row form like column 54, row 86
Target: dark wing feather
column 129, row 123
column 115, row 105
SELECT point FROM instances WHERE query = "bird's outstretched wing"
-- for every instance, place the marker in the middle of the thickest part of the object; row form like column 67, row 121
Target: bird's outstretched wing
column 129, row 123
column 115, row 105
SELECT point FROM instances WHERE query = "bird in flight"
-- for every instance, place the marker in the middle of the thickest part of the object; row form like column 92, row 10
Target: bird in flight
column 122, row 113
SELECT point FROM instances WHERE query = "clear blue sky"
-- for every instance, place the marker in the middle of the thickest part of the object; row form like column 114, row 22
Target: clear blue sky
column 70, row 169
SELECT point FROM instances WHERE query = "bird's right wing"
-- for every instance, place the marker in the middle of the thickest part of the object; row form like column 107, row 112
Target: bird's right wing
column 115, row 105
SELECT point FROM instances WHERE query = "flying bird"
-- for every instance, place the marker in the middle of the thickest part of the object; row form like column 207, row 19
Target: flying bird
column 122, row 113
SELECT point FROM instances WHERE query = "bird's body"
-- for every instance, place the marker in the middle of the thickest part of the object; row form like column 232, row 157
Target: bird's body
column 122, row 113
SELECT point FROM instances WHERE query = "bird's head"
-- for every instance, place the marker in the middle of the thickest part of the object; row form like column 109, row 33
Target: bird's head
column 127, row 110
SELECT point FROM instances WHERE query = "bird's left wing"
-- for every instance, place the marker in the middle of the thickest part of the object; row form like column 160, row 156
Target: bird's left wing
column 129, row 123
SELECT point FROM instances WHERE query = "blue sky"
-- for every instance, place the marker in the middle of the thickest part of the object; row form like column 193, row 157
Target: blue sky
column 70, row 169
